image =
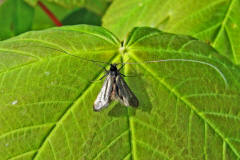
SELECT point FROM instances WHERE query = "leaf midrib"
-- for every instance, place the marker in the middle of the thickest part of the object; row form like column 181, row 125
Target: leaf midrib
column 223, row 22
column 66, row 112
column 220, row 30
column 189, row 104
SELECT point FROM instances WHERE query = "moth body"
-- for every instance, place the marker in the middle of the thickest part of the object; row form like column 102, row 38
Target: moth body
column 114, row 88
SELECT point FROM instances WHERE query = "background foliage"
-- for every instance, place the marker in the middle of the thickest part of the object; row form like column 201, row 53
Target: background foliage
column 216, row 22
column 189, row 101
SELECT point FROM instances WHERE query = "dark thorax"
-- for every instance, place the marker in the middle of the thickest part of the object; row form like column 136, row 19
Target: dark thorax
column 114, row 73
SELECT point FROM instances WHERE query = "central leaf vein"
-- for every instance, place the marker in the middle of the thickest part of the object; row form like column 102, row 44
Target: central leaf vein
column 67, row 112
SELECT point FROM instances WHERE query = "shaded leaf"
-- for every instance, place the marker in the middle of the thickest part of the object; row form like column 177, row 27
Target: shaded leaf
column 189, row 107
column 97, row 6
column 41, row 19
column 82, row 16
column 11, row 18
column 216, row 21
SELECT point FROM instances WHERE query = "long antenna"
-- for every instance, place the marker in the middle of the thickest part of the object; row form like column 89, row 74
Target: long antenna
column 85, row 59
column 189, row 60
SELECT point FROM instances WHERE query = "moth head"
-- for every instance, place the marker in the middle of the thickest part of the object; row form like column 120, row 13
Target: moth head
column 113, row 67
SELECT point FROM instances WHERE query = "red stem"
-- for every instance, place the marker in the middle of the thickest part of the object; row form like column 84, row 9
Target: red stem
column 50, row 14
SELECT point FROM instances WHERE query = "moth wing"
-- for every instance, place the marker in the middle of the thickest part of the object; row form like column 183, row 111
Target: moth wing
column 125, row 95
column 103, row 99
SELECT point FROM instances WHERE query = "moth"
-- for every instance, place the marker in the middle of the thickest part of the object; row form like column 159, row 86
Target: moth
column 114, row 88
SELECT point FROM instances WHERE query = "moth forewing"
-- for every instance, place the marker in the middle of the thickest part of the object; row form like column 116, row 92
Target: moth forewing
column 125, row 95
column 103, row 99
column 114, row 88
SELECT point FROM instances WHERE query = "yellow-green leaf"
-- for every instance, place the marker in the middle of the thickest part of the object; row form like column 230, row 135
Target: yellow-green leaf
column 189, row 99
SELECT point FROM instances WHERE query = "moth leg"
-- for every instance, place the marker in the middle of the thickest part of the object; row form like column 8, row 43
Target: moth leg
column 123, row 64
column 123, row 75
column 96, row 80
column 128, row 75
column 105, row 70
column 104, row 75
column 101, row 77
column 121, row 67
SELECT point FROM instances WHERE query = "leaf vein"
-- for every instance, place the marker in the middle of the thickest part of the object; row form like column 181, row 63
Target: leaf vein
column 223, row 23
column 66, row 112
column 189, row 104
column 113, row 41
column 190, row 16
column 68, row 142
column 22, row 154
column 205, row 140
column 153, row 128
column 19, row 53
column 25, row 128
column 51, row 147
column 222, row 115
column 232, row 49
column 152, row 149
column 110, row 144
column 211, row 94
column 189, row 132
column 127, row 156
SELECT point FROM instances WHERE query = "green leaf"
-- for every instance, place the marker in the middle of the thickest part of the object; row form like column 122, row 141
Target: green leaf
column 97, row 6
column 66, row 15
column 11, row 18
column 42, row 20
column 215, row 21
column 189, row 102
column 82, row 16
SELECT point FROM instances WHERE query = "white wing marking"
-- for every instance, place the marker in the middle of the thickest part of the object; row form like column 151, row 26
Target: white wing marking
column 103, row 98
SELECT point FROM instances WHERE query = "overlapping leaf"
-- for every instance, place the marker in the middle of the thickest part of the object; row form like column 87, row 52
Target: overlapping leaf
column 11, row 18
column 189, row 102
column 215, row 21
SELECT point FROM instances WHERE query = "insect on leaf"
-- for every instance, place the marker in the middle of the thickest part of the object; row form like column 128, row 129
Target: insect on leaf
column 188, row 107
column 216, row 22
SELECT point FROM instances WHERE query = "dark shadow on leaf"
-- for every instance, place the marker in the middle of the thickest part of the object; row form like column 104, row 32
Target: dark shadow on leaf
column 82, row 16
column 140, row 85
column 120, row 110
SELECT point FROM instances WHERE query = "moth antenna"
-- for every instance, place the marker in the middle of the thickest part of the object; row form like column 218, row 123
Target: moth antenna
column 123, row 64
column 63, row 51
column 190, row 60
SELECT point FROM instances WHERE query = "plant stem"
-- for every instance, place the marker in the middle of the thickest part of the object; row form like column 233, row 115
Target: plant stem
column 50, row 14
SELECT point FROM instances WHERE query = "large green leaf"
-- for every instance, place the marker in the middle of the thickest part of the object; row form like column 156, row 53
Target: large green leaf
column 189, row 102
column 15, row 17
column 215, row 21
